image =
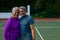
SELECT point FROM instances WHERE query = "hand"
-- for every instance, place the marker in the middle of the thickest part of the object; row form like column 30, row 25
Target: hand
column 33, row 39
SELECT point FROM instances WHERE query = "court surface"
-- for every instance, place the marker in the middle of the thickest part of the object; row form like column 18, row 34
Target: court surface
column 45, row 30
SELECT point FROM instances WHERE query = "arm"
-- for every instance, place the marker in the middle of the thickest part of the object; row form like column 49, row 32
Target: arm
column 32, row 31
column 31, row 21
column 6, row 29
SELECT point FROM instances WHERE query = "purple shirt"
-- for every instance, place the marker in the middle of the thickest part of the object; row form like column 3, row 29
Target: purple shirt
column 11, row 29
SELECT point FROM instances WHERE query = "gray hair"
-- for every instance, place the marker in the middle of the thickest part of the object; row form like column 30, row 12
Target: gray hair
column 22, row 7
column 14, row 9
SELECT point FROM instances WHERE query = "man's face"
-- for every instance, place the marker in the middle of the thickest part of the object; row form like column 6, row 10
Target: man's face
column 22, row 12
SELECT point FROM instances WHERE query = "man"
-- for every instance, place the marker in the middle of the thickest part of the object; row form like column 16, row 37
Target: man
column 26, row 25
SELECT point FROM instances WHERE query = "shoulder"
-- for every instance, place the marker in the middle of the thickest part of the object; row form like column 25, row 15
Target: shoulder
column 28, row 16
column 9, row 19
column 30, row 19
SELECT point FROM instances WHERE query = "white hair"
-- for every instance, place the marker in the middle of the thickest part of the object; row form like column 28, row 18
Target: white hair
column 14, row 9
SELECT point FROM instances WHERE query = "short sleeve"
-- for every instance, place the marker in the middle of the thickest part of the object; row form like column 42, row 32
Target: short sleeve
column 31, row 21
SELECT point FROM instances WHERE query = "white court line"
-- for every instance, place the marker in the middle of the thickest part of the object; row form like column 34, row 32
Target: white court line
column 49, row 27
column 39, row 33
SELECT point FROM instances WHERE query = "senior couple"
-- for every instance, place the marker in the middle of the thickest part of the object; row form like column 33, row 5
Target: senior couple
column 19, row 28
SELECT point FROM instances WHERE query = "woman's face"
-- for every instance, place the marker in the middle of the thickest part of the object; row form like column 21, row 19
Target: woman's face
column 15, row 13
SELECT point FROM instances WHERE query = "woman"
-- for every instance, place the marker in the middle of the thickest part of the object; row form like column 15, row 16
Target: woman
column 11, row 29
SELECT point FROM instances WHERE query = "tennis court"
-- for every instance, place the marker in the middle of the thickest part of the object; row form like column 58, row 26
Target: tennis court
column 45, row 30
column 48, row 30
